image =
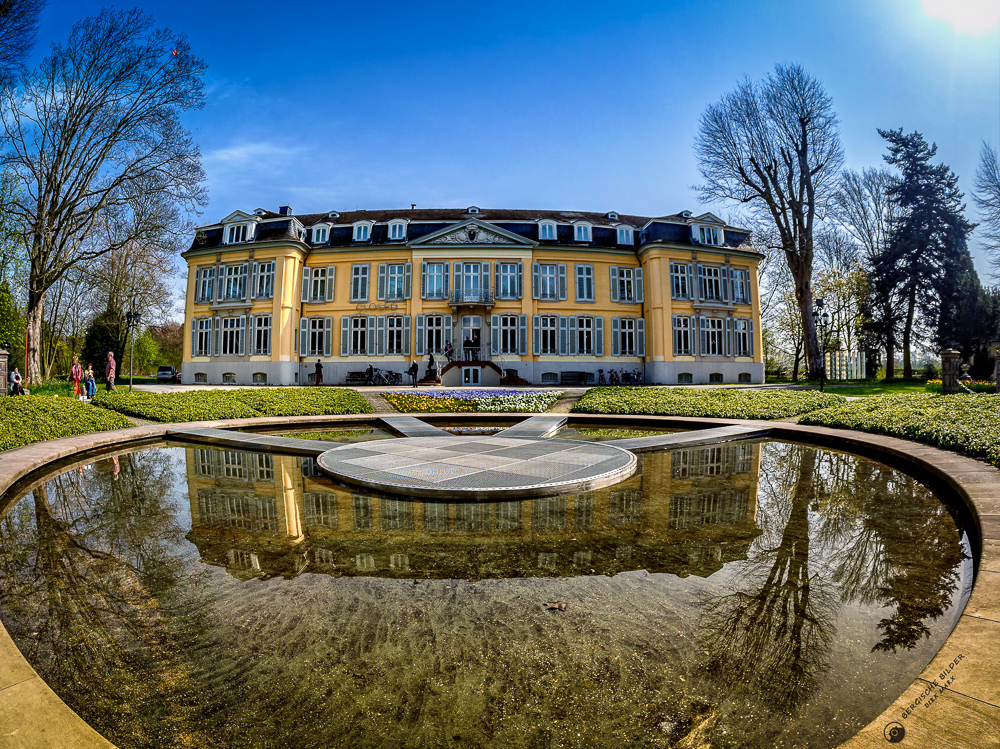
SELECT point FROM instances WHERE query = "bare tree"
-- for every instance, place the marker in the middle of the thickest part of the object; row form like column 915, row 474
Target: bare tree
column 987, row 197
column 775, row 146
column 94, row 136
column 18, row 26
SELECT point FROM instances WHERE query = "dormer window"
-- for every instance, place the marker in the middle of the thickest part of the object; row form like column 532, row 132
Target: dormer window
column 320, row 234
column 625, row 235
column 472, row 209
column 333, row 214
column 236, row 233
column 613, row 215
column 581, row 232
column 547, row 230
column 397, row 230
column 362, row 232
column 709, row 235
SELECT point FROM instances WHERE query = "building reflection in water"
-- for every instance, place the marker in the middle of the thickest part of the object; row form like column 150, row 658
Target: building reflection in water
column 263, row 515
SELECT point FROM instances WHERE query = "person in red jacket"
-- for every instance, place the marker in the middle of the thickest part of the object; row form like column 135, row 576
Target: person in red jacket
column 76, row 376
column 109, row 372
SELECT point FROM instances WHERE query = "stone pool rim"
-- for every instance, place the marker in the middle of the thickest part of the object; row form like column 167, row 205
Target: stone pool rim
column 963, row 713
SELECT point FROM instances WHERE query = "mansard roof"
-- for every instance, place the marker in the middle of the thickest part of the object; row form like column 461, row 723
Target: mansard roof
column 674, row 228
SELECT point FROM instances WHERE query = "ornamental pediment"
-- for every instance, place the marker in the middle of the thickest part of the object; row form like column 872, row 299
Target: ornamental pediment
column 473, row 232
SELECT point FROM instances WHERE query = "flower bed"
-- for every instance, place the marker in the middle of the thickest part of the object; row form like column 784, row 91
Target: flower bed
column 470, row 401
column 961, row 423
column 976, row 386
column 726, row 404
column 206, row 405
column 30, row 418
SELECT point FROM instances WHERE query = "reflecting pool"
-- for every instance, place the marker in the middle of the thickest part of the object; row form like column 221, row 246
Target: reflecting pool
column 744, row 595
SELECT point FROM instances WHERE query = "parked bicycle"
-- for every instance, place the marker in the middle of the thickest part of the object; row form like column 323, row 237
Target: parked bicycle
column 601, row 379
column 385, row 377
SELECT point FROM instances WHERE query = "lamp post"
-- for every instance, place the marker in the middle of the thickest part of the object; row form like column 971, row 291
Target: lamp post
column 821, row 319
column 132, row 320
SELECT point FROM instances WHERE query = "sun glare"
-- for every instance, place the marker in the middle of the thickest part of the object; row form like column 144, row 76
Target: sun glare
column 966, row 16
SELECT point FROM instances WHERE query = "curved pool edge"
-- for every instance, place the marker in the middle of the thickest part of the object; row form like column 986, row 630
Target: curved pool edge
column 960, row 710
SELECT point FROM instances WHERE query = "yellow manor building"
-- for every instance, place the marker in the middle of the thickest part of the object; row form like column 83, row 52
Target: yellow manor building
column 516, row 297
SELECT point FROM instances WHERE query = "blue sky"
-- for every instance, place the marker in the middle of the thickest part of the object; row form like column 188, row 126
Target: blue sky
column 571, row 105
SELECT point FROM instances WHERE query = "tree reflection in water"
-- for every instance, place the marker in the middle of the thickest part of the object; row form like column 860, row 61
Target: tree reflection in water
column 90, row 576
column 835, row 530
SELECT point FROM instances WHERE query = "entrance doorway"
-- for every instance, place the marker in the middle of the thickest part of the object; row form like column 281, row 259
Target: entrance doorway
column 471, row 333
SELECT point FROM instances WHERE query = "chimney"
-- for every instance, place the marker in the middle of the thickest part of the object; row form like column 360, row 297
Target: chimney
column 412, row 206
column 285, row 210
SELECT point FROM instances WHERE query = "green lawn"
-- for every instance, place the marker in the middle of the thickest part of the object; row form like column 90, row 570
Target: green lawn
column 33, row 418
column 962, row 423
column 728, row 404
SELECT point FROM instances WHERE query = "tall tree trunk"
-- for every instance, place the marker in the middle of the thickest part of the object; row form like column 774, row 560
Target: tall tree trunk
column 33, row 351
column 802, row 275
column 911, row 306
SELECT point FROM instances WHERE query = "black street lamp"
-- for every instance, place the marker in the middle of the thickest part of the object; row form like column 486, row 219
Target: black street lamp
column 132, row 319
column 822, row 320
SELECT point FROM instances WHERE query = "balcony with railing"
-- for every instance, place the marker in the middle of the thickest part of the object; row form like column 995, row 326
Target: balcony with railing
column 473, row 354
column 473, row 298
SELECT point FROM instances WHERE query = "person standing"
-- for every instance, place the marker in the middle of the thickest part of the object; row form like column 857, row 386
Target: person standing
column 76, row 376
column 109, row 373
column 16, row 387
column 319, row 372
column 89, row 381
column 412, row 371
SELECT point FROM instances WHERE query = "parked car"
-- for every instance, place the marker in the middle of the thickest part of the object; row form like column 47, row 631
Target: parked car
column 168, row 373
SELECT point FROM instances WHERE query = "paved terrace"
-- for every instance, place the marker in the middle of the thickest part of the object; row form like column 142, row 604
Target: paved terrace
column 965, row 714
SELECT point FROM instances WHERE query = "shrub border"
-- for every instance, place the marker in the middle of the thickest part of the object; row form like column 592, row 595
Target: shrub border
column 958, row 715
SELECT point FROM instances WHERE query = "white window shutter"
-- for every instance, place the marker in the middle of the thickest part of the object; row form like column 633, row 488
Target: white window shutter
column 327, row 336
column 614, row 283
column 221, row 275
column 536, row 333
column 520, row 282
column 563, row 334
column 534, row 280
column 693, row 333
column 306, row 278
column 703, row 337
column 495, row 334
column 690, row 275
column 496, row 280
column 420, row 334
column 244, row 272
column 423, row 279
column 484, row 277
column 701, row 282
column 571, row 350
column 407, row 280
column 211, row 284
column 270, row 333
column 725, row 284
column 746, row 294
column 444, row 286
column 304, row 337
column 218, row 336
column 729, row 336
column 194, row 337
column 447, row 328
column 522, row 334
column 640, row 337
column 406, row 335
column 598, row 336
column 639, row 293
column 562, row 282
column 676, row 335
column 380, row 335
column 615, row 337
column 458, row 276
column 253, row 279
column 380, row 292
column 331, row 280
column 345, row 335
column 371, row 335
column 750, row 336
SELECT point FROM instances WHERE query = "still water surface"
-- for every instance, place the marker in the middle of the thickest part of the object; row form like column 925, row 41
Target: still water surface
column 745, row 595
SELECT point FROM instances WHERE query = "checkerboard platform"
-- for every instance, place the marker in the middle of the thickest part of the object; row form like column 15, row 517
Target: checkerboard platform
column 478, row 468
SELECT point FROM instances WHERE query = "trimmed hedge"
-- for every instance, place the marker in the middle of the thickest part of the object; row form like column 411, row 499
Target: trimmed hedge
column 207, row 405
column 714, row 402
column 27, row 419
column 484, row 401
column 962, row 423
